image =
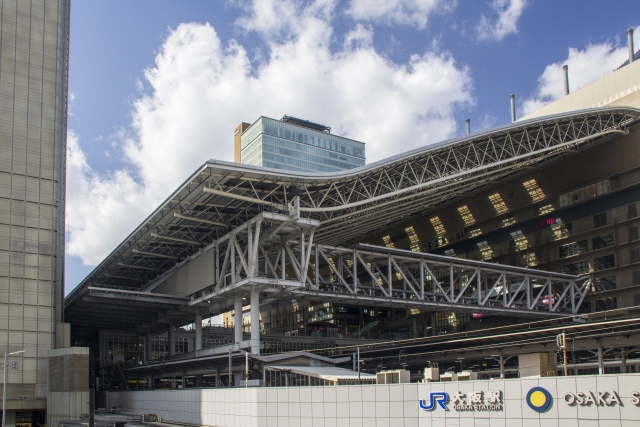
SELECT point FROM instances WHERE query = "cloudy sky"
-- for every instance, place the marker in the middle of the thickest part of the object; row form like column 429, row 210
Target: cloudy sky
column 157, row 86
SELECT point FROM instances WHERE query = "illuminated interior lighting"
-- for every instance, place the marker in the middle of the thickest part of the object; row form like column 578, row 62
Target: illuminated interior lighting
column 485, row 250
column 545, row 209
column 466, row 215
column 413, row 239
column 534, row 190
column 474, row 233
column 437, row 226
column 522, row 244
column 508, row 221
column 498, row 204
column 560, row 231
column 387, row 242
column 531, row 260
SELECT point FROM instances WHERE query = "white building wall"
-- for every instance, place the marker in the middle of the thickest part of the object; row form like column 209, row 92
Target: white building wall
column 388, row 405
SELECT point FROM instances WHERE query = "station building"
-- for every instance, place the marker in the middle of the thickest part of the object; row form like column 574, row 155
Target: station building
column 468, row 257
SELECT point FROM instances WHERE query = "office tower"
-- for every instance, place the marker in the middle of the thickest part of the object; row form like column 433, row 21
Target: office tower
column 34, row 42
column 297, row 145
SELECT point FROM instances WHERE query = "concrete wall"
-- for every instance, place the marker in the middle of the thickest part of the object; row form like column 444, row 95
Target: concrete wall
column 68, row 396
column 390, row 405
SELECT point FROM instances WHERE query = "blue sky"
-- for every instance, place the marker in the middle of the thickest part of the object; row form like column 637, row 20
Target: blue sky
column 158, row 86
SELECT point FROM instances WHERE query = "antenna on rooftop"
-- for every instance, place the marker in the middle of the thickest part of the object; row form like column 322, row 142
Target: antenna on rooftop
column 565, row 70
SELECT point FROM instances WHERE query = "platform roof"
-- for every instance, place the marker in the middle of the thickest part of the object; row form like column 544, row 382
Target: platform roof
column 350, row 205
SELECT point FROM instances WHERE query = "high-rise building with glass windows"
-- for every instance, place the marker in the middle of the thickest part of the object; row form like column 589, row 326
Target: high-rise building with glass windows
column 34, row 43
column 295, row 145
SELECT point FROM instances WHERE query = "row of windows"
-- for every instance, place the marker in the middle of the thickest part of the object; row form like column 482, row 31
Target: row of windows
column 585, row 193
column 309, row 151
column 582, row 246
column 584, row 267
column 290, row 132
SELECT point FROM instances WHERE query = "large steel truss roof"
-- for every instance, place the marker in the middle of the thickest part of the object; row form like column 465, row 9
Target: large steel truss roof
column 350, row 204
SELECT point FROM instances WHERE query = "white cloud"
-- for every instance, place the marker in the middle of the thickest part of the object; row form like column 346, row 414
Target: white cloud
column 508, row 11
column 398, row 12
column 99, row 209
column 593, row 62
column 200, row 89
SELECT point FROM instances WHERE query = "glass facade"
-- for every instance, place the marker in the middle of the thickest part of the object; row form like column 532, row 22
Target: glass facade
column 281, row 145
column 33, row 109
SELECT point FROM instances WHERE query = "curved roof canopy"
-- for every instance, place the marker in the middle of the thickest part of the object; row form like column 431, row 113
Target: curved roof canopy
column 350, row 204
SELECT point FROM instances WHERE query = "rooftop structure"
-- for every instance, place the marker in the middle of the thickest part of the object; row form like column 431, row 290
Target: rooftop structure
column 236, row 231
column 295, row 144
column 618, row 88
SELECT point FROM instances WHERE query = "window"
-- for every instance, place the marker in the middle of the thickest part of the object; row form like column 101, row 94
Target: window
column 437, row 226
column 600, row 220
column 633, row 233
column 560, row 230
column 604, row 262
column 414, row 241
column 581, row 267
column 531, row 259
column 636, row 278
column 634, row 255
column 633, row 211
column 584, row 193
column 575, row 248
column 474, row 233
column 534, row 190
column 450, row 252
column 485, row 250
column 543, row 210
column 604, row 284
column 498, row 203
column 466, row 215
column 520, row 241
column 606, row 304
column 510, row 220
column 603, row 241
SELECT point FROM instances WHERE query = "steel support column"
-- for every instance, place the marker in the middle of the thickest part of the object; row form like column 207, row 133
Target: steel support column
column 198, row 338
column 600, row 359
column 255, row 320
column 172, row 340
column 148, row 349
column 237, row 318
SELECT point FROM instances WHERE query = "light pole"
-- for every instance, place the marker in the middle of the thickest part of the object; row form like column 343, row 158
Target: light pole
column 4, row 392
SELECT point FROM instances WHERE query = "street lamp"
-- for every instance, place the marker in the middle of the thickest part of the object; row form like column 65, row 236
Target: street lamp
column 4, row 393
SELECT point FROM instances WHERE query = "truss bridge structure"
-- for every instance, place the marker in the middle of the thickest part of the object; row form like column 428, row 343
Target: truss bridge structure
column 235, row 234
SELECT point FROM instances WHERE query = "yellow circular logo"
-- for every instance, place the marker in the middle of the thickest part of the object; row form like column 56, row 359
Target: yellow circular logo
column 538, row 399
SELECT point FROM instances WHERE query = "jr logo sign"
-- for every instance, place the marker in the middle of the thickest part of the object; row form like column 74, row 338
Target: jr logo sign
column 439, row 397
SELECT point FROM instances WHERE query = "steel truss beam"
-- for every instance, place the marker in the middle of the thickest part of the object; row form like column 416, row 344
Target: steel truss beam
column 347, row 205
column 287, row 262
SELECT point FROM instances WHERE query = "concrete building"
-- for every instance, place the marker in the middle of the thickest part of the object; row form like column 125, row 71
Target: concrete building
column 33, row 109
column 295, row 145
